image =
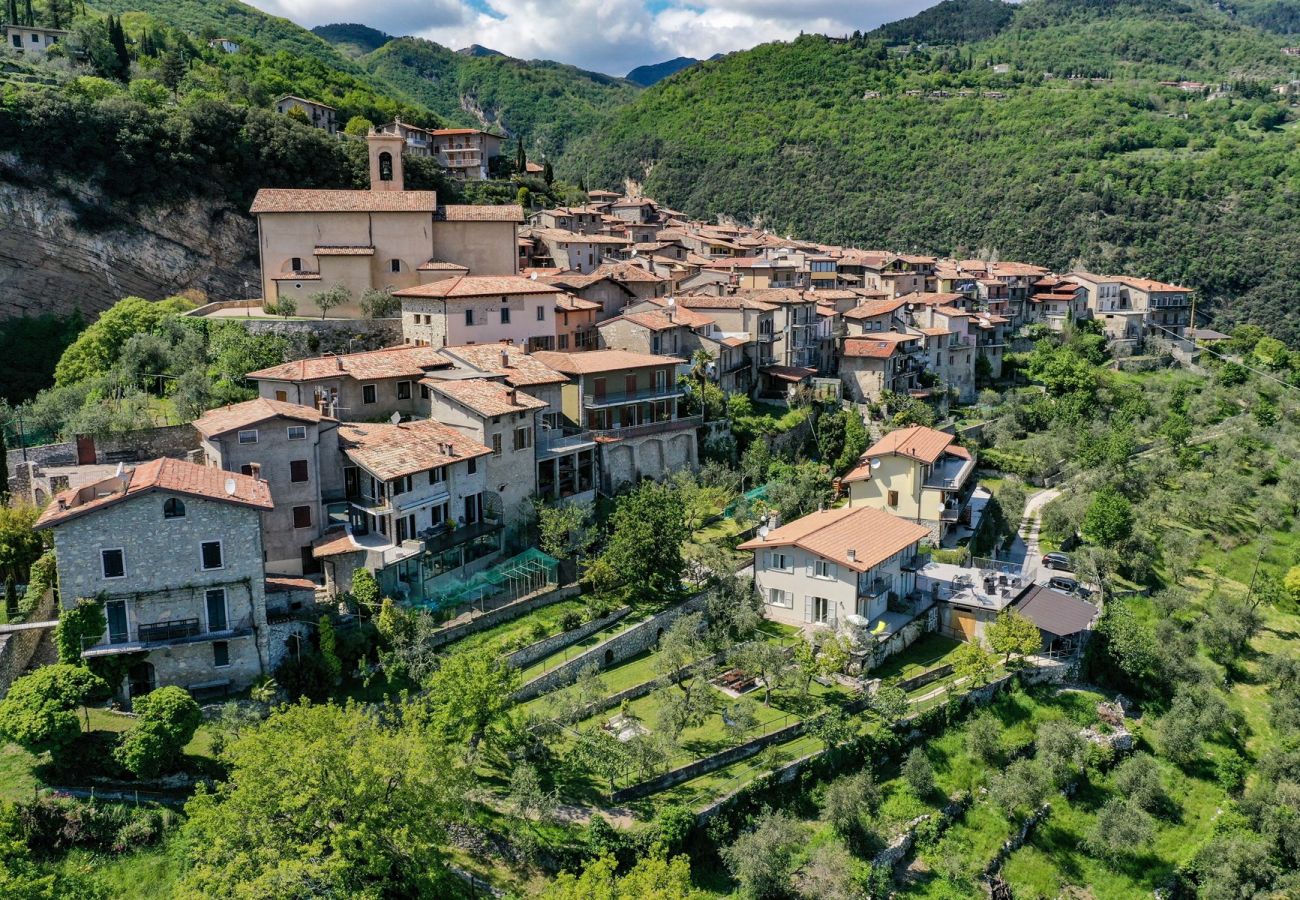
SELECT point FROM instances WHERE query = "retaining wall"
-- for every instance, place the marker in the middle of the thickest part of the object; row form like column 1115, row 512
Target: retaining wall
column 640, row 690
column 18, row 647
column 910, row 684
column 502, row 614
column 525, row 657
column 607, row 653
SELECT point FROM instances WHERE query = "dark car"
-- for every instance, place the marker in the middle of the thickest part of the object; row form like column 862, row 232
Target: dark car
column 1061, row 583
column 1056, row 560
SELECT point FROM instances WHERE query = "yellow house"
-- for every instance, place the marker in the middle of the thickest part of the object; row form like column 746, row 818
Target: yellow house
column 915, row 473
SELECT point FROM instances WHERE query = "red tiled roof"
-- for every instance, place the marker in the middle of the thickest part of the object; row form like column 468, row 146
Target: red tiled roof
column 478, row 286
column 390, row 451
column 171, row 475
column 523, row 369
column 792, row 374
column 291, row 200
column 481, row 213
column 241, row 415
column 392, row 362
column 917, row 442
column 877, row 345
column 592, row 361
column 730, row 301
column 873, row 308
column 487, row 398
column 435, row 265
column 871, row 534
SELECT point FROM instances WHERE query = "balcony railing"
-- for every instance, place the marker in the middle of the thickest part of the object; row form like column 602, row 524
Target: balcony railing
column 150, row 635
column 610, row 398
column 632, row 431
column 551, row 441
column 950, row 477
column 875, row 588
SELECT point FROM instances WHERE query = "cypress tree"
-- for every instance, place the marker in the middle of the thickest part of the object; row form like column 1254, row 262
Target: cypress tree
column 548, row 174
column 117, row 38
column 521, row 159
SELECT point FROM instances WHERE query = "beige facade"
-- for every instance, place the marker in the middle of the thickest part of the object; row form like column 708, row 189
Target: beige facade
column 469, row 310
column 917, row 474
column 32, row 40
column 320, row 115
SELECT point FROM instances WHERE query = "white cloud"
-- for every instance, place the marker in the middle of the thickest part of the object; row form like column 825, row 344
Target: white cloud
column 610, row 36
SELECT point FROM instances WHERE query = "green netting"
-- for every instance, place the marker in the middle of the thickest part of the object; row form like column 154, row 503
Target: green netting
column 758, row 493
column 510, row 579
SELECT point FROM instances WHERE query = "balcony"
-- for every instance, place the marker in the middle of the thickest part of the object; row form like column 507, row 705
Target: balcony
column 950, row 474
column 408, row 500
column 875, row 588
column 381, row 506
column 168, row 633
column 557, row 441
column 635, row 431
column 609, row 398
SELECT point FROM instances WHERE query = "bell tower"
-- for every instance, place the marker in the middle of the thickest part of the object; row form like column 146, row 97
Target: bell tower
column 386, row 161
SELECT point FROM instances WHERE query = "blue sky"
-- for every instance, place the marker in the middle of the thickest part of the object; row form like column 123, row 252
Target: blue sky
column 612, row 36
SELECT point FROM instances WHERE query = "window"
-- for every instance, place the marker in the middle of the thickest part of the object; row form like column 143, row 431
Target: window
column 298, row 471
column 472, row 465
column 173, row 508
column 496, row 444
column 113, row 563
column 368, row 393
column 396, row 265
column 778, row 597
column 523, row 438
column 282, row 396
column 780, row 561
column 248, row 437
column 541, row 313
column 401, row 485
column 220, row 654
column 563, row 342
column 892, row 499
column 246, row 469
column 302, row 517
column 403, row 390
column 210, row 553
column 424, row 392
column 385, row 166
column 819, row 610
column 469, row 317
column 215, row 603
column 824, row 569
column 296, row 264
column 297, row 432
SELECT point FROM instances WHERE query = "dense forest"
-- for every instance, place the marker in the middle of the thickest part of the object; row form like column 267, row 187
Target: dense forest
column 1115, row 175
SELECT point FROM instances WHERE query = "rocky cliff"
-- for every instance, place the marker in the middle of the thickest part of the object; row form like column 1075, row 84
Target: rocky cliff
column 63, row 249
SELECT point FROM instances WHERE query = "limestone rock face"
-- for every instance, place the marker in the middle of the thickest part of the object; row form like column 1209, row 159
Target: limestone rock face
column 63, row 249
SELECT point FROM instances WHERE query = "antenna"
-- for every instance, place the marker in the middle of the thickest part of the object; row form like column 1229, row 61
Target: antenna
column 532, row 276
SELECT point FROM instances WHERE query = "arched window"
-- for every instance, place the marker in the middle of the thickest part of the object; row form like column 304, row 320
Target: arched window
column 385, row 166
column 173, row 508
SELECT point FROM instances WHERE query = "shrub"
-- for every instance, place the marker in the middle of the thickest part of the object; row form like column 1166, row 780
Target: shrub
column 918, row 772
column 570, row 620
column 83, row 622
column 53, row 825
column 168, row 718
column 40, row 712
column 305, row 676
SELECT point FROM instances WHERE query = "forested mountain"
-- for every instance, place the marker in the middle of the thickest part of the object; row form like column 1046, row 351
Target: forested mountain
column 657, row 72
column 1122, row 174
column 352, row 38
column 546, row 102
column 949, row 22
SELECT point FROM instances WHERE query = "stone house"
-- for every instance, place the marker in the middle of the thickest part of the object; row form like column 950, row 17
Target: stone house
column 577, row 252
column 384, row 238
column 417, row 504
column 354, row 386
column 949, row 348
column 888, row 361
column 876, row 313
column 575, row 323
column 1110, row 305
column 320, row 115
column 796, row 325
column 173, row 550
column 614, row 285
column 829, row 565
column 990, row 340
column 628, row 403
column 294, row 449
column 1055, row 302
column 480, row 310
column 580, row 219
column 465, row 152
column 918, row 474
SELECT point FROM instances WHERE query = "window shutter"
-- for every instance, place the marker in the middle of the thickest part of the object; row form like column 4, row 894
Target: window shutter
column 834, row 571
column 767, row 560
column 811, row 566
column 807, row 608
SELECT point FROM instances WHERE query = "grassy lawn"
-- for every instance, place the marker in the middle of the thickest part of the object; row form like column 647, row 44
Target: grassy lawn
column 563, row 655
column 928, row 651
column 524, row 630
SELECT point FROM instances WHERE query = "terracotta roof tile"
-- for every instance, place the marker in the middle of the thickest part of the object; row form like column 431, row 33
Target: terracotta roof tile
column 335, row 542
column 393, row 362
column 435, row 265
column 917, row 442
column 873, row 308
column 171, row 475
column 591, row 361
column 570, row 303
column 478, row 286
column 291, row 200
column 730, row 301
column 523, row 369
column 390, row 451
column 481, row 213
column 877, row 345
column 241, row 415
column 872, row 535
column 487, row 398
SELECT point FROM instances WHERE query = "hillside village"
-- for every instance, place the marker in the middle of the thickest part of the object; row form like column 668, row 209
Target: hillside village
column 600, row 550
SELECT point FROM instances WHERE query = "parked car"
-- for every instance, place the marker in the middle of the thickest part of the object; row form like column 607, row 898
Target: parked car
column 1062, row 583
column 1056, row 560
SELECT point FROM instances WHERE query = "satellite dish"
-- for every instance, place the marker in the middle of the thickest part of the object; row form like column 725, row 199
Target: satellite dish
column 875, row 462
column 230, row 487
column 763, row 532
column 395, row 418
column 532, row 276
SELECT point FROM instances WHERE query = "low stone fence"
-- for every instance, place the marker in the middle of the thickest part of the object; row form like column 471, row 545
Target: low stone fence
column 910, row 684
column 901, row 847
column 640, row 690
column 525, row 657
column 18, row 647
column 607, row 653
column 501, row 614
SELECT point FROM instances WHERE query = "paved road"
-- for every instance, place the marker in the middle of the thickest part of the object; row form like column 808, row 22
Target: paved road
column 1024, row 549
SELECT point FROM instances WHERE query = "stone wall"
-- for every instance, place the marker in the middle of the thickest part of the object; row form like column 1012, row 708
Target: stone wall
column 18, row 647
column 640, row 690
column 608, row 653
column 525, row 657
column 501, row 614
column 176, row 441
column 910, row 684
column 311, row 337
column 282, row 637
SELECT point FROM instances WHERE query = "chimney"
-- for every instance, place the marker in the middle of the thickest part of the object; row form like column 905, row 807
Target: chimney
column 514, row 397
column 853, row 555
column 338, row 363
column 255, row 471
column 505, row 358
